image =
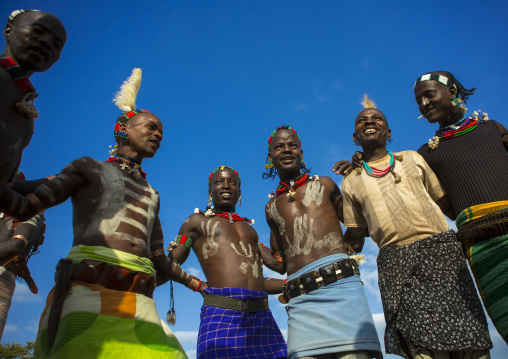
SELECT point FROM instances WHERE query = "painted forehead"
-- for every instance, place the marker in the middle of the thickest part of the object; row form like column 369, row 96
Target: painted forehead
column 223, row 168
column 289, row 129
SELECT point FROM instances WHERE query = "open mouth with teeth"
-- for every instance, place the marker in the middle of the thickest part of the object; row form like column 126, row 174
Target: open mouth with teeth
column 370, row 131
column 226, row 195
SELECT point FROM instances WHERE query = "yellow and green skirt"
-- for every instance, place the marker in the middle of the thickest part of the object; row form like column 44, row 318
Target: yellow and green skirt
column 97, row 322
column 488, row 259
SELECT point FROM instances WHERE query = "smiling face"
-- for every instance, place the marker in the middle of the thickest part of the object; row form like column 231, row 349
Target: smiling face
column 371, row 128
column 35, row 40
column 224, row 190
column 286, row 153
column 145, row 135
column 434, row 101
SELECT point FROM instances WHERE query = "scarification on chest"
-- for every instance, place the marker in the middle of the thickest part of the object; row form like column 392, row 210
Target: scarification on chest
column 210, row 247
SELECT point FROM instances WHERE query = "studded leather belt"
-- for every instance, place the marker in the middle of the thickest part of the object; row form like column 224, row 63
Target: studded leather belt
column 316, row 279
column 112, row 277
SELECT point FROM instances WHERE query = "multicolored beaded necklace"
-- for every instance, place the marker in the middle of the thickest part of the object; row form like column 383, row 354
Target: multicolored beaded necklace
column 375, row 172
column 292, row 186
column 465, row 125
column 134, row 168
column 232, row 216
column 20, row 78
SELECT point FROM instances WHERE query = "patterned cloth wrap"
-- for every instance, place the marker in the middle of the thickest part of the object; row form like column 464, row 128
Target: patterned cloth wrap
column 97, row 322
column 7, row 286
column 228, row 333
column 488, row 259
column 429, row 297
column 332, row 319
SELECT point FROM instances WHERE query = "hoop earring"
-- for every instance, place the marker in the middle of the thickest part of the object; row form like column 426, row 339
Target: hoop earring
column 209, row 201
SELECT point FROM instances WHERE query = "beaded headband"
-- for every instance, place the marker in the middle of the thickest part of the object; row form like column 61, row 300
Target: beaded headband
column 222, row 168
column 17, row 12
column 282, row 128
column 443, row 79
column 124, row 118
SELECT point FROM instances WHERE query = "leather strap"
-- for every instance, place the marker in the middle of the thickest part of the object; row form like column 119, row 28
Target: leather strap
column 242, row 305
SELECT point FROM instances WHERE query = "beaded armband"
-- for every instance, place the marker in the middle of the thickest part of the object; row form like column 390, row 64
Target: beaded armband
column 186, row 241
column 194, row 284
column 260, row 245
column 278, row 256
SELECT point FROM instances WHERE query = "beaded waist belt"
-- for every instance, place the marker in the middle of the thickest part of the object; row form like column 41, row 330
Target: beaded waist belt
column 112, row 277
column 490, row 225
column 314, row 280
column 243, row 305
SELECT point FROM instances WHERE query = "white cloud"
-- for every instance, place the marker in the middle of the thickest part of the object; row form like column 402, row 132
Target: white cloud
column 196, row 272
column 191, row 354
column 32, row 327
column 301, row 107
column 22, row 294
column 187, row 338
column 11, row 328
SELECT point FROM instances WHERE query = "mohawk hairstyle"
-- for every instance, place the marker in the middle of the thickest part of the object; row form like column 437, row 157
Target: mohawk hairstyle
column 271, row 172
column 462, row 92
column 367, row 102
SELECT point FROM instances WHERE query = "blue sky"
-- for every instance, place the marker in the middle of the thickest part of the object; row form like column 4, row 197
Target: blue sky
column 221, row 75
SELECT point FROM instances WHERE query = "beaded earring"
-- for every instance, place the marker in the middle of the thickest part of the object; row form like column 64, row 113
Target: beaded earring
column 240, row 200
column 389, row 140
column 456, row 101
column 209, row 201
column 356, row 142
column 121, row 134
column 269, row 165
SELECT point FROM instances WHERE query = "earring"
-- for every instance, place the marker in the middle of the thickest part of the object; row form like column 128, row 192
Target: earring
column 456, row 101
column 240, row 200
column 121, row 134
column 356, row 142
column 269, row 165
column 209, row 201
column 303, row 162
column 389, row 140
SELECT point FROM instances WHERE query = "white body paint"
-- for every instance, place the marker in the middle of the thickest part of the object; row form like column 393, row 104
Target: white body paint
column 112, row 207
column 248, row 254
column 210, row 247
column 313, row 192
column 276, row 217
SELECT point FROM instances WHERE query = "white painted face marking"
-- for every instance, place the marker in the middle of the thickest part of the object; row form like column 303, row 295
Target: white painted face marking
column 277, row 218
column 313, row 192
column 210, row 247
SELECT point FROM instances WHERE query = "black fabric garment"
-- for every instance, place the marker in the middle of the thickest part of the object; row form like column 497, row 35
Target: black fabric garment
column 472, row 168
column 429, row 298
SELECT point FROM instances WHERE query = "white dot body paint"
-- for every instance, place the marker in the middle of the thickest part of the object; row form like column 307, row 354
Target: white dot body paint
column 276, row 217
column 113, row 206
column 210, row 247
column 313, row 192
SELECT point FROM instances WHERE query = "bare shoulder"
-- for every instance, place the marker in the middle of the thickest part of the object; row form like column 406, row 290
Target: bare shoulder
column 327, row 182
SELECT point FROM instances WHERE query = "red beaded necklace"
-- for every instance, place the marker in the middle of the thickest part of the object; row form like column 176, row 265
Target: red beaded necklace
column 232, row 216
column 133, row 166
column 291, row 186
column 20, row 78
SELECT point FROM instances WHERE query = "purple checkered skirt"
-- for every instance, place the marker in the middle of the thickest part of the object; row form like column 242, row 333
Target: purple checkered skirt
column 227, row 333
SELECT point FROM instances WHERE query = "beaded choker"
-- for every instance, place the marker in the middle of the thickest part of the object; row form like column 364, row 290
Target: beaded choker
column 292, row 186
column 20, row 78
column 232, row 216
column 465, row 125
column 375, row 172
column 134, row 168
